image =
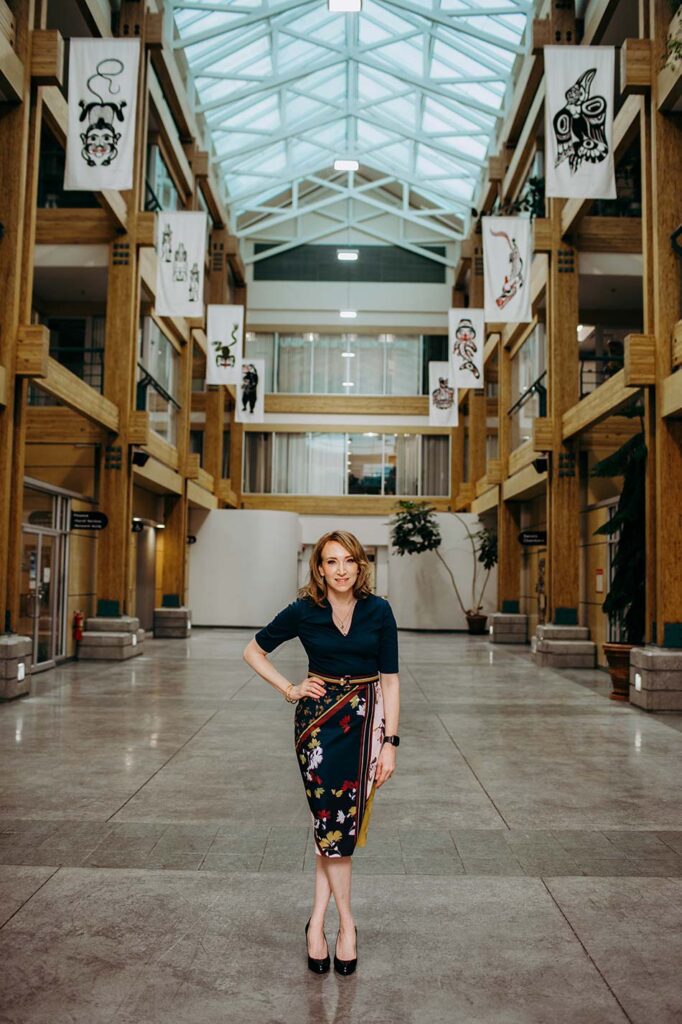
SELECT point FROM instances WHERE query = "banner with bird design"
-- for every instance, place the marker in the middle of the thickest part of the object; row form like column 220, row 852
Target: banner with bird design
column 443, row 409
column 100, row 135
column 181, row 240
column 579, row 122
column 466, row 330
column 507, row 258
column 225, row 338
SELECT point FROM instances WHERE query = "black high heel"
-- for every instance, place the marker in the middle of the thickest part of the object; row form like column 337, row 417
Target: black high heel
column 315, row 965
column 346, row 966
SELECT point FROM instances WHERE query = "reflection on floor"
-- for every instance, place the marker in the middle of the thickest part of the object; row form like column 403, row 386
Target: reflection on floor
column 156, row 856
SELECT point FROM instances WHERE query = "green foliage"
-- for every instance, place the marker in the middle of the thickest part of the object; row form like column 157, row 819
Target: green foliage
column 487, row 548
column 626, row 599
column 414, row 528
column 531, row 200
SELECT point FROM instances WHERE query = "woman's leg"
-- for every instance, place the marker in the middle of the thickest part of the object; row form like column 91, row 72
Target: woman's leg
column 338, row 871
column 316, row 941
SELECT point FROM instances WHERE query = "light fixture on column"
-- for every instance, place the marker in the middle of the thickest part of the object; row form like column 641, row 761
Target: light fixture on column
column 347, row 255
column 348, row 314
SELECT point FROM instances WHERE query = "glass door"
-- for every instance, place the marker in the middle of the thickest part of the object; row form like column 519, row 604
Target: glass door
column 38, row 607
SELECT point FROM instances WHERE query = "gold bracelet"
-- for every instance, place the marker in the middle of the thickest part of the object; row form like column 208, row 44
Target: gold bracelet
column 291, row 700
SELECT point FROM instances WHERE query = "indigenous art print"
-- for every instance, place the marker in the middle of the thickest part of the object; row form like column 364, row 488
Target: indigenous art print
column 100, row 137
column 579, row 122
column 250, row 405
column 180, row 250
column 507, row 256
column 443, row 410
column 466, row 330
column 225, row 334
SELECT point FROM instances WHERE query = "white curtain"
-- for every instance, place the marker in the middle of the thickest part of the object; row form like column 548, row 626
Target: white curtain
column 467, row 341
column 507, row 258
column 294, row 362
column 443, row 410
column 407, row 464
column 225, row 338
column 579, row 122
column 180, row 252
column 102, row 107
column 435, row 465
column 327, row 463
column 291, row 464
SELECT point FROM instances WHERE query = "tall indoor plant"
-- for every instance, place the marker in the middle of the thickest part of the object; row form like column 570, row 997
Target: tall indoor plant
column 414, row 529
column 625, row 603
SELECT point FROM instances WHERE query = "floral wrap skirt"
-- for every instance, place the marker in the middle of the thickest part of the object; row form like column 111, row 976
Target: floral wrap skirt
column 338, row 740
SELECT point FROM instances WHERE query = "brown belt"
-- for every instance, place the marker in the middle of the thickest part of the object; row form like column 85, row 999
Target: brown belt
column 345, row 680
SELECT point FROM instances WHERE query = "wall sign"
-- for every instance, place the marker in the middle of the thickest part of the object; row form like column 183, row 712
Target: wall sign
column 88, row 521
column 533, row 538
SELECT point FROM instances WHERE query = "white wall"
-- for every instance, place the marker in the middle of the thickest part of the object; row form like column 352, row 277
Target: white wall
column 419, row 588
column 243, row 567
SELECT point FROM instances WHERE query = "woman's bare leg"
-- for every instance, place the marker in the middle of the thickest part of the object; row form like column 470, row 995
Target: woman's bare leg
column 316, row 942
column 338, row 871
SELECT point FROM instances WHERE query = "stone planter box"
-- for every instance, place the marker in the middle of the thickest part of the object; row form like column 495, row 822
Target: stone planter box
column 15, row 666
column 172, row 623
column 111, row 639
column 563, row 647
column 656, row 678
column 506, row 628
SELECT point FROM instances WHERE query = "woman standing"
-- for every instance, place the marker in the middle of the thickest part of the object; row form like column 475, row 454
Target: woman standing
column 346, row 720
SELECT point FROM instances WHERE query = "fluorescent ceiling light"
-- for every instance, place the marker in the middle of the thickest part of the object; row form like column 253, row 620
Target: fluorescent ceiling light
column 344, row 6
column 346, row 165
column 347, row 255
column 348, row 355
column 349, row 384
column 347, row 314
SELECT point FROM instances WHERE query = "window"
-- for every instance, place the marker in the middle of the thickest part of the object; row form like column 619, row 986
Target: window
column 528, row 386
column 160, row 192
column 157, row 380
column 340, row 464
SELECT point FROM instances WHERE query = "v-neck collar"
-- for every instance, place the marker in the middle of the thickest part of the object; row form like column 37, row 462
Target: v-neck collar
column 350, row 624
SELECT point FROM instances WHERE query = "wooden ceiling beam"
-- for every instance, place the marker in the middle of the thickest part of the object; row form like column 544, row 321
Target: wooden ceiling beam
column 58, row 425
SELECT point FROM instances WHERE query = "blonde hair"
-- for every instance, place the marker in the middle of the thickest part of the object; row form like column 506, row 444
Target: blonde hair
column 316, row 588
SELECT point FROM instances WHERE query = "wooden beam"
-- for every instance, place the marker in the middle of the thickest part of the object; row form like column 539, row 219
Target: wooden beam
column 170, row 79
column 199, row 497
column 199, row 339
column 671, row 392
column 192, row 466
column 79, row 396
column 609, row 234
column 640, row 360
column 139, row 428
column 597, row 17
column 635, row 67
column 542, row 431
column 677, row 344
column 346, row 505
column 542, row 234
column 226, row 494
column 522, row 456
column 353, row 405
column 625, row 127
column 7, row 23
column 67, row 226
column 525, row 147
column 57, row 425
column 47, row 57
column 162, row 451
column 174, row 152
column 486, row 502
column 606, row 400
column 11, row 72
column 33, row 350
column 3, row 386
column 527, row 483
column 159, row 478
column 97, row 14
column 526, row 87
column 669, row 86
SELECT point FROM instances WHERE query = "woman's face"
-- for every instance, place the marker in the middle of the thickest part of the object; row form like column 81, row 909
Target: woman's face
column 338, row 567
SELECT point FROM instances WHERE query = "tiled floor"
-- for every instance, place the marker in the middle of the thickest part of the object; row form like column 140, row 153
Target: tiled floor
column 156, row 857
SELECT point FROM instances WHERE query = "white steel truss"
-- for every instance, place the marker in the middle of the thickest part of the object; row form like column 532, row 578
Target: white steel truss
column 412, row 89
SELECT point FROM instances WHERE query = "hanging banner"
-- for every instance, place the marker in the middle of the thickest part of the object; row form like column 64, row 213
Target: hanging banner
column 225, row 335
column 507, row 257
column 180, row 252
column 443, row 410
column 100, row 135
column 466, row 328
column 250, row 406
column 579, row 122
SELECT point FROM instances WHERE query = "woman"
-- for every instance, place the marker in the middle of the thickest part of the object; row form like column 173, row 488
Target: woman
column 345, row 741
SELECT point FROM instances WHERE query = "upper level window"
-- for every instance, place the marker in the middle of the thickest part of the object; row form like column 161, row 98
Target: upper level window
column 157, row 380
column 160, row 192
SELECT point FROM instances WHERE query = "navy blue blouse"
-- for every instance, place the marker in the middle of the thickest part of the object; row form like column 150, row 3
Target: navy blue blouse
column 370, row 646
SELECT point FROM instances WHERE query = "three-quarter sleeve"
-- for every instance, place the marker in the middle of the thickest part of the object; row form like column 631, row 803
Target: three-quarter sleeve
column 283, row 627
column 388, row 643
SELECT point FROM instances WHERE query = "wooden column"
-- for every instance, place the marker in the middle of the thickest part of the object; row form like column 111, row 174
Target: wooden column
column 15, row 134
column 477, row 398
column 563, row 492
column 213, row 432
column 508, row 519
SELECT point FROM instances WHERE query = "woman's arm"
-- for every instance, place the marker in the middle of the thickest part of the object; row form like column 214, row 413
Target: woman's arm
column 390, row 687
column 256, row 657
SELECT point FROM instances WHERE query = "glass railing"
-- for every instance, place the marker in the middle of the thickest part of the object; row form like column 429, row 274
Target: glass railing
column 594, row 370
column 531, row 404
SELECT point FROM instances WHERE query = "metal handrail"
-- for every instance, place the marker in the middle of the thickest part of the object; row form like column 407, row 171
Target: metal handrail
column 148, row 381
column 536, row 388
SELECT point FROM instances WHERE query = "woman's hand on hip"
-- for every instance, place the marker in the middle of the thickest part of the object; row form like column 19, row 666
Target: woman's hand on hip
column 385, row 764
column 310, row 687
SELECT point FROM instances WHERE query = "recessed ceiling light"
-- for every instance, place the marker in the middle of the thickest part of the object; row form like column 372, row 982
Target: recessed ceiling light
column 344, row 6
column 346, row 165
column 348, row 384
column 347, row 255
column 348, row 355
column 347, row 314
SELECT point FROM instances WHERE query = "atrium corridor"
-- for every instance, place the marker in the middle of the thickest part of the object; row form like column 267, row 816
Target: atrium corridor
column 523, row 866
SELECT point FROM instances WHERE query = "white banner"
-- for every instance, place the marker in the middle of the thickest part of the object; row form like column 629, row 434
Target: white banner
column 225, row 336
column 250, row 407
column 100, row 137
column 180, row 253
column 466, row 329
column 579, row 122
column 507, row 257
column 443, row 411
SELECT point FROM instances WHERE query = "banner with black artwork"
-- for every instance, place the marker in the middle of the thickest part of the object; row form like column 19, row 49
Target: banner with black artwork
column 102, row 107
column 180, row 253
column 443, row 411
column 224, row 332
column 579, row 122
column 250, row 405
column 466, row 329
column 507, row 258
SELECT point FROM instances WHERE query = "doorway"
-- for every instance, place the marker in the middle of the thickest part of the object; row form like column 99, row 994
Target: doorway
column 43, row 576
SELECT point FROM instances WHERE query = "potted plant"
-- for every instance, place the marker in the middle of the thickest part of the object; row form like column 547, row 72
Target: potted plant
column 414, row 529
column 625, row 602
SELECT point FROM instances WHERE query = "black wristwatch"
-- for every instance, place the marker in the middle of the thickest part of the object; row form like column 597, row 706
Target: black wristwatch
column 394, row 740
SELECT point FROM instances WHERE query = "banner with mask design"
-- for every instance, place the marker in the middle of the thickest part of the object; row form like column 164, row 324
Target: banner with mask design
column 466, row 329
column 443, row 410
column 507, row 258
column 579, row 122
column 250, row 404
column 225, row 336
column 180, row 253
column 102, row 108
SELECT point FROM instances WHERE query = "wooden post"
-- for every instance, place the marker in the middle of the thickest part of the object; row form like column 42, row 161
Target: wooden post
column 477, row 398
column 508, row 519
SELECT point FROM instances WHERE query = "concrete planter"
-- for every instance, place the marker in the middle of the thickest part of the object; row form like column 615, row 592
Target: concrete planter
column 476, row 623
column 618, row 657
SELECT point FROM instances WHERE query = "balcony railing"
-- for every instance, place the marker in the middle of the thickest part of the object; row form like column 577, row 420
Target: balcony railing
column 594, row 370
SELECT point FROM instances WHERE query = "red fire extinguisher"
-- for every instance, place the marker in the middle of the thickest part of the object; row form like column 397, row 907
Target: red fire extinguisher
column 78, row 620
